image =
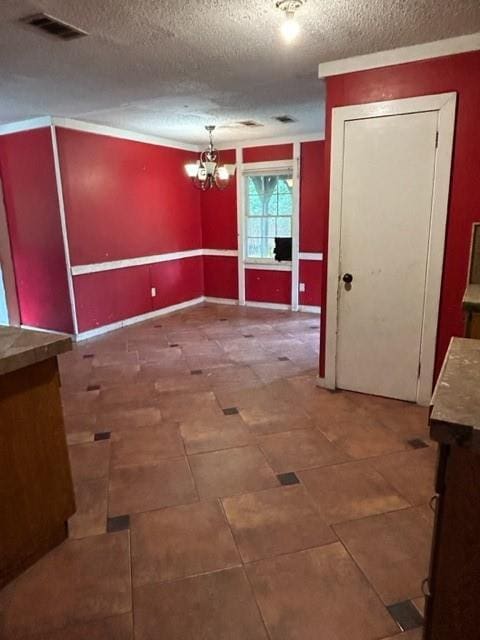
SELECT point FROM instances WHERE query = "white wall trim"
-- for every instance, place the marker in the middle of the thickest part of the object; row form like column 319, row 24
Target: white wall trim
column 25, row 125
column 83, row 269
column 230, row 301
column 445, row 105
column 268, row 266
column 269, row 142
column 305, row 255
column 220, row 252
column 308, row 308
column 425, row 51
column 275, row 166
column 63, row 225
column 268, row 305
column 124, row 134
column 240, row 225
column 92, row 333
column 295, row 224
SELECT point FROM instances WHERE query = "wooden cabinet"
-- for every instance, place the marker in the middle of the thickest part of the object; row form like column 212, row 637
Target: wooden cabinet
column 453, row 588
column 36, row 491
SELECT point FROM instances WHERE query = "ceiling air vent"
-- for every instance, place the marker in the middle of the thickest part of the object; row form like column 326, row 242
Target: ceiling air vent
column 54, row 27
column 250, row 123
column 284, row 119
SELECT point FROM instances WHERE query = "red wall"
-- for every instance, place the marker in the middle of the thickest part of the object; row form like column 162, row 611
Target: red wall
column 110, row 296
column 460, row 73
column 28, row 176
column 125, row 199
column 221, row 276
column 268, row 286
column 311, row 274
column 219, row 213
column 271, row 152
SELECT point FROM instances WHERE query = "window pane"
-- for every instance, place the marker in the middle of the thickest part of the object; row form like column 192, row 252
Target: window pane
column 285, row 204
column 272, row 228
column 255, row 206
column 271, row 246
column 284, row 228
column 254, row 248
column 254, row 227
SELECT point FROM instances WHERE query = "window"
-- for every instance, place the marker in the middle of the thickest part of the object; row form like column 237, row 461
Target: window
column 268, row 212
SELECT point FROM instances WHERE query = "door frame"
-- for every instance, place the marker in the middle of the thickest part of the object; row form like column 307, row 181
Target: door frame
column 445, row 105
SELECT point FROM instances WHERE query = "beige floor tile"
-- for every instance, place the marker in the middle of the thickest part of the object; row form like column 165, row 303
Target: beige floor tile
column 194, row 539
column 89, row 460
column 275, row 521
column 392, row 549
column 230, row 472
column 299, row 449
column 318, row 593
column 414, row 634
column 149, row 487
column 114, row 628
column 350, row 491
column 211, row 435
column 412, row 473
column 146, row 445
column 216, row 606
column 90, row 518
column 118, row 418
column 78, row 581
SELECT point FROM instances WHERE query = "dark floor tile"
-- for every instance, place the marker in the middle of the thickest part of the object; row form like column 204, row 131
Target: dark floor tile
column 230, row 411
column 93, row 387
column 87, row 356
column 406, row 615
column 102, row 435
column 288, row 478
column 417, row 443
column 118, row 523
column 196, row 372
column 173, row 345
column 283, row 358
column 248, row 335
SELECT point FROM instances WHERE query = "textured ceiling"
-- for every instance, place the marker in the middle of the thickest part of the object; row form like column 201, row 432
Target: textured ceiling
column 168, row 67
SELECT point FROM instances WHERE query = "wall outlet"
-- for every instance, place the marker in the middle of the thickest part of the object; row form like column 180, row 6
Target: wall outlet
column 301, row 287
column 153, row 292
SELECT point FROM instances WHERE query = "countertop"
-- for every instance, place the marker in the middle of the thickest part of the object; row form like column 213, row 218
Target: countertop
column 20, row 348
column 471, row 299
column 455, row 418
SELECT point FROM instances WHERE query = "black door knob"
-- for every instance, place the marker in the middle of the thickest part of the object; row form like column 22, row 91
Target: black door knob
column 347, row 277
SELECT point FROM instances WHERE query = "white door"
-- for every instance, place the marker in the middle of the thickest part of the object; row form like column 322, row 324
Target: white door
column 386, row 213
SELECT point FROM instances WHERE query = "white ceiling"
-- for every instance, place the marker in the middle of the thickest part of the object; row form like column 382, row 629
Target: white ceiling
column 168, row 67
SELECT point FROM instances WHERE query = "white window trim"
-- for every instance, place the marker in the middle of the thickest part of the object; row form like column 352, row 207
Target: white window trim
column 445, row 104
column 274, row 167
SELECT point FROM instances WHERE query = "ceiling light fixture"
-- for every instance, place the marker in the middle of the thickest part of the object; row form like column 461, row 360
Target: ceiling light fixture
column 208, row 172
column 290, row 27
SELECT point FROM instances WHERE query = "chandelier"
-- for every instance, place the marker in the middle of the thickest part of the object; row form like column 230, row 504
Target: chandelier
column 208, row 172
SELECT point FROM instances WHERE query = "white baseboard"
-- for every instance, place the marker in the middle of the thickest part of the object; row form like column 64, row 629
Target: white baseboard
column 309, row 308
column 92, row 333
column 231, row 301
column 268, row 305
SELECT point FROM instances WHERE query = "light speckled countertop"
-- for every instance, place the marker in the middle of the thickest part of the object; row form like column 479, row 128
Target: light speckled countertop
column 471, row 299
column 20, row 348
column 455, row 418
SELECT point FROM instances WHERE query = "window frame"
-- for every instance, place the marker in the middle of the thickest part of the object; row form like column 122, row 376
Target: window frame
column 278, row 167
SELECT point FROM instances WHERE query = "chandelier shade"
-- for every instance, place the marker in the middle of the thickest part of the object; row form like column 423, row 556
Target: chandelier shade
column 207, row 172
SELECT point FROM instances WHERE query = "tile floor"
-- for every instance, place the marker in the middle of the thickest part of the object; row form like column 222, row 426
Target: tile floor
column 223, row 496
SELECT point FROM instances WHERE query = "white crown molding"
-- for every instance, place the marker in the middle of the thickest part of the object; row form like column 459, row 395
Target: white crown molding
column 124, row 134
column 425, row 51
column 25, row 125
column 305, row 255
column 267, row 142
